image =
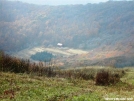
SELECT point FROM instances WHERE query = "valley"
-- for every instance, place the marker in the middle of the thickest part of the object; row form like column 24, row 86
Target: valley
column 57, row 51
column 67, row 52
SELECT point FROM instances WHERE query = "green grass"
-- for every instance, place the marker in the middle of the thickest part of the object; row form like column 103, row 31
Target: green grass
column 24, row 87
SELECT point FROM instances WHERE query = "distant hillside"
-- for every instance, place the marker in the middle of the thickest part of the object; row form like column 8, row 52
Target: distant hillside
column 81, row 26
column 106, row 30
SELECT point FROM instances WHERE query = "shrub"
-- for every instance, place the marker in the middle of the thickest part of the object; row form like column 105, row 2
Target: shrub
column 113, row 79
column 13, row 64
column 105, row 78
column 102, row 78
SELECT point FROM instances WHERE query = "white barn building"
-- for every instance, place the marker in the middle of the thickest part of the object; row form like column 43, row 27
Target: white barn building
column 59, row 44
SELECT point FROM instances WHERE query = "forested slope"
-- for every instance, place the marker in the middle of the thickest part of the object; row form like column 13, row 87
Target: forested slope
column 81, row 26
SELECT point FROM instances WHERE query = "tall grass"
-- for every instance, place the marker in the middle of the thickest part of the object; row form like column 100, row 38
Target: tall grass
column 13, row 64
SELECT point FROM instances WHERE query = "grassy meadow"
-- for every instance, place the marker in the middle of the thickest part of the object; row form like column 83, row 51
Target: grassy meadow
column 29, row 87
column 21, row 80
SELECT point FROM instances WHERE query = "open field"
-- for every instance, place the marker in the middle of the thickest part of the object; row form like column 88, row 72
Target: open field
column 59, row 51
column 24, row 87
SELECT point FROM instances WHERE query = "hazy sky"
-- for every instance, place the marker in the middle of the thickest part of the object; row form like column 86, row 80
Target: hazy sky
column 60, row 2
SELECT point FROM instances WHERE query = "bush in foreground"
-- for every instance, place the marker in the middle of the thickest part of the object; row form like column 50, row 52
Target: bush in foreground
column 16, row 65
column 105, row 78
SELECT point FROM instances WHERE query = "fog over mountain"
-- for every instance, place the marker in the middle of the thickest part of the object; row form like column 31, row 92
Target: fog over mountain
column 105, row 28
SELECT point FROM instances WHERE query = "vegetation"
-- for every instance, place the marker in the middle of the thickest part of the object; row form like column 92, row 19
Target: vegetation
column 12, row 64
column 16, row 65
column 31, row 87
column 95, row 27
column 104, row 78
column 51, row 84
column 81, row 26
column 105, row 29
column 42, row 56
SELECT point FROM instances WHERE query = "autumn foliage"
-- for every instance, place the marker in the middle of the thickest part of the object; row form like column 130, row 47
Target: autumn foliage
column 24, row 25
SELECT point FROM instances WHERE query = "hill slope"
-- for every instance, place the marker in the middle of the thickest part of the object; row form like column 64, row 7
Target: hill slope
column 105, row 30
column 82, row 26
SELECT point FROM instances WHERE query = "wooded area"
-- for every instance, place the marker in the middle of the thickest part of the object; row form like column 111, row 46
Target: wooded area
column 79, row 26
